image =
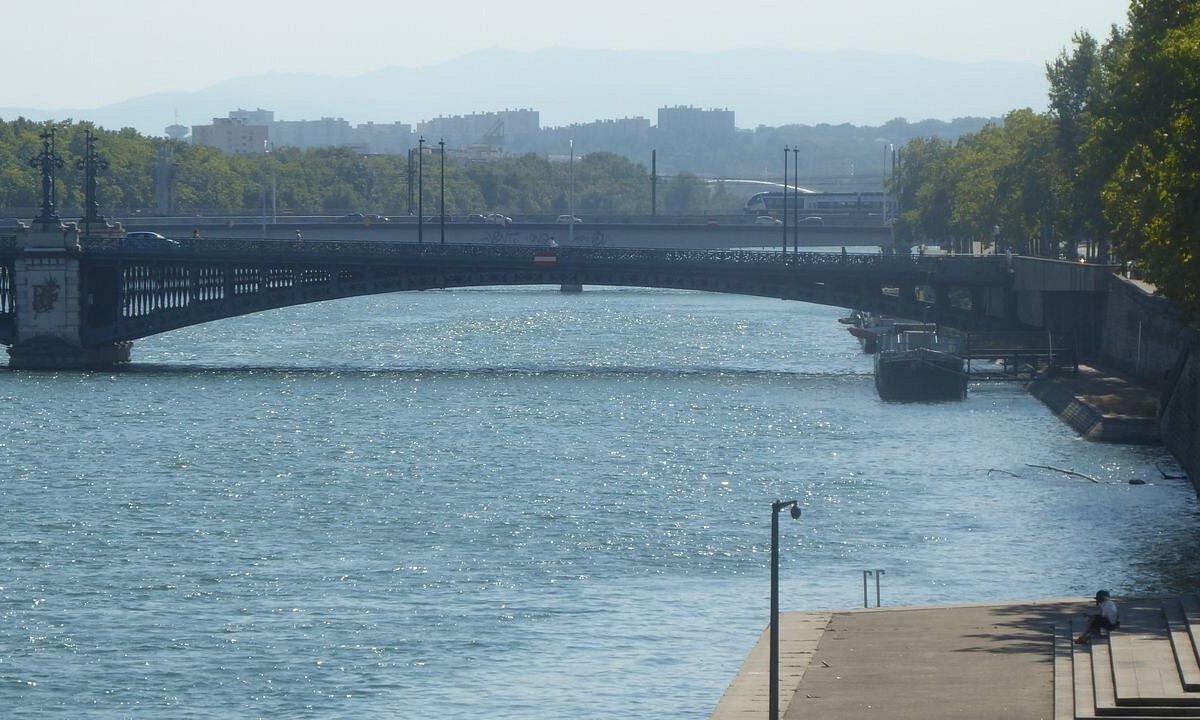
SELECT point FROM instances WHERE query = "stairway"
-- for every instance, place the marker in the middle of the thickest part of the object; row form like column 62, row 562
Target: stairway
column 1148, row 669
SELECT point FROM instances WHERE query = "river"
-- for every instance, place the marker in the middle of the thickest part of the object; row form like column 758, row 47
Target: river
column 517, row 503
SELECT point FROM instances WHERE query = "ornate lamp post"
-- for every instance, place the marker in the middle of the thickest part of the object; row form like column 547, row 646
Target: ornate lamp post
column 48, row 161
column 90, row 163
column 773, row 700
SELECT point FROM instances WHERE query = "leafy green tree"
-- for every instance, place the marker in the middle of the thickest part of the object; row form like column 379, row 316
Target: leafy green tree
column 1076, row 81
column 1150, row 122
column 923, row 187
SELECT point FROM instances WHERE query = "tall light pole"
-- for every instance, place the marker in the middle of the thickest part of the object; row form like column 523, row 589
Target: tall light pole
column 796, row 199
column 420, row 189
column 785, row 197
column 442, row 185
column 773, row 699
column 571, row 225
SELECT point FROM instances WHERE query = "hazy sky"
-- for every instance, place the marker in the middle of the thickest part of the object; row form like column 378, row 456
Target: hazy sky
column 97, row 52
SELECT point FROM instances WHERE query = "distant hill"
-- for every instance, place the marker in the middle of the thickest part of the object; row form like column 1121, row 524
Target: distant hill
column 762, row 87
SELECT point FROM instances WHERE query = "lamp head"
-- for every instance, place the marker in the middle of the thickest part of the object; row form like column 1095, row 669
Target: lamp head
column 795, row 512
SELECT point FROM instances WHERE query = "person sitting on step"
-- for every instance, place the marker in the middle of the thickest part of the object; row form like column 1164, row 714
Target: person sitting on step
column 1108, row 618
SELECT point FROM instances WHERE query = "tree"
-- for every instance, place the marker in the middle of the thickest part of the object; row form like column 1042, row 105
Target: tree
column 1149, row 123
column 1076, row 82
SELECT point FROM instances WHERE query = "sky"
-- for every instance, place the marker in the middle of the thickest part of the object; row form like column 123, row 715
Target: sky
column 95, row 52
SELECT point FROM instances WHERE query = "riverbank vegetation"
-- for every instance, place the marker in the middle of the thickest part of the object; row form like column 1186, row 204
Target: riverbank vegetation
column 1110, row 172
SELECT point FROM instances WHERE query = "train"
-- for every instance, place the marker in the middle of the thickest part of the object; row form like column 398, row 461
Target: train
column 810, row 203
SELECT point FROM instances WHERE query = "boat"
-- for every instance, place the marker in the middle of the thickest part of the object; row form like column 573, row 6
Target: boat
column 867, row 328
column 914, row 362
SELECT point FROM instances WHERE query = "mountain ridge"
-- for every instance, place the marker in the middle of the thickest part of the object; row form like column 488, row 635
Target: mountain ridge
column 569, row 86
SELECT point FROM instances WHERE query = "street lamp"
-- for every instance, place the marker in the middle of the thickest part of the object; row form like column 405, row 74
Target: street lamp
column 420, row 189
column 786, row 150
column 442, row 184
column 773, row 699
column 796, row 199
column 571, row 201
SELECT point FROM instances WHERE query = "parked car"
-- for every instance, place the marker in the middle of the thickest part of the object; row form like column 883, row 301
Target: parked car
column 568, row 220
column 146, row 240
column 498, row 219
column 767, row 220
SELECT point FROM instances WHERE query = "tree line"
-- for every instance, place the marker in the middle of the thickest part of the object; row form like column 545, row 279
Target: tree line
column 1111, row 167
column 200, row 180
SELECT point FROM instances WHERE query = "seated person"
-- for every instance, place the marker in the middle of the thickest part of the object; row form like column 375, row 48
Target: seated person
column 1107, row 619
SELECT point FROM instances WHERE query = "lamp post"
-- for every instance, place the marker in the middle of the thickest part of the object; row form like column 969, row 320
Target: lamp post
column 442, row 185
column 773, row 699
column 420, row 189
column 796, row 199
column 47, row 161
column 786, row 150
column 571, row 201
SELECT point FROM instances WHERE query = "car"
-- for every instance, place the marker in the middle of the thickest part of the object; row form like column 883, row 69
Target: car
column 13, row 224
column 146, row 240
column 568, row 220
column 767, row 220
column 352, row 218
column 476, row 218
column 812, row 220
column 498, row 219
column 376, row 219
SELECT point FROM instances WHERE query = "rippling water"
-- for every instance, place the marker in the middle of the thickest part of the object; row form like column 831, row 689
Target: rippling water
column 515, row 503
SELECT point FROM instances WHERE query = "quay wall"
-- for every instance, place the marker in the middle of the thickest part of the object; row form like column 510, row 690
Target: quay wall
column 1145, row 339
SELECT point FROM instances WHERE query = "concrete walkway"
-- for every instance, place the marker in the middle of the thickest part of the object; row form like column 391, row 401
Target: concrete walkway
column 980, row 662
column 933, row 663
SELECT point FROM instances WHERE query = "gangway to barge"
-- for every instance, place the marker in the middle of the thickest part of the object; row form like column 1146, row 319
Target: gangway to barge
column 1018, row 355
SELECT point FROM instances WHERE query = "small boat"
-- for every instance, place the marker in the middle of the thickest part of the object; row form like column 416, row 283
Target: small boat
column 914, row 362
column 867, row 328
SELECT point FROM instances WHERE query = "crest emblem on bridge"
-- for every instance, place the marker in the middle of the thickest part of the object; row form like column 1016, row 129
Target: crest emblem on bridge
column 45, row 296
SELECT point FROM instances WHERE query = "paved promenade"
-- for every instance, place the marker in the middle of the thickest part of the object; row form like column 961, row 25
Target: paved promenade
column 933, row 663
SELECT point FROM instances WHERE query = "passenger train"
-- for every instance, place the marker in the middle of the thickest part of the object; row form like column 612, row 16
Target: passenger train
column 808, row 202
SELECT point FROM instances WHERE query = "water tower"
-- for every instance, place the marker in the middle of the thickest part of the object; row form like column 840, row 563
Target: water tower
column 177, row 131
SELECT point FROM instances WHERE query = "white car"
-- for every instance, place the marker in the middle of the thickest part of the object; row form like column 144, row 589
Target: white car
column 148, row 240
column 767, row 220
column 498, row 219
column 568, row 220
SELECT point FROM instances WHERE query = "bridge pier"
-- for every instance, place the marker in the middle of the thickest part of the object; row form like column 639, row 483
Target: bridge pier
column 49, row 305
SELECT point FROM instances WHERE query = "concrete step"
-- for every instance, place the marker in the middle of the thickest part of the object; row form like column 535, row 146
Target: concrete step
column 1064, row 680
column 1085, row 675
column 1182, row 644
column 1145, row 671
column 1190, row 603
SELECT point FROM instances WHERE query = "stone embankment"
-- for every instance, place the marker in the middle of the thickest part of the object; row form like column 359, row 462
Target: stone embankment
column 1144, row 387
column 1102, row 406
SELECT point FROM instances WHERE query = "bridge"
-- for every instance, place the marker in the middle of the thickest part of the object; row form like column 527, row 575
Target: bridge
column 703, row 233
column 68, row 301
